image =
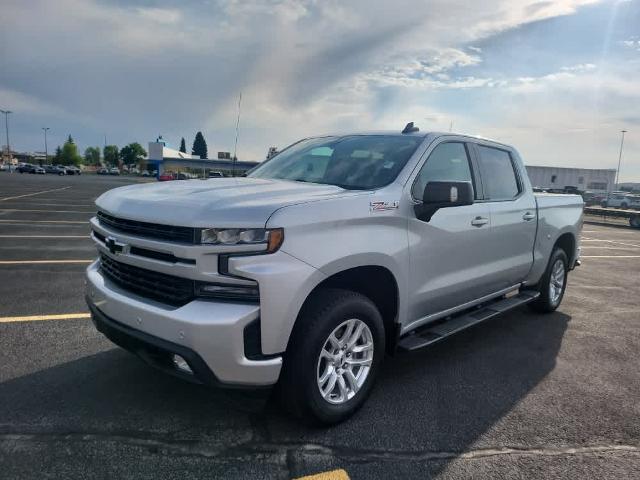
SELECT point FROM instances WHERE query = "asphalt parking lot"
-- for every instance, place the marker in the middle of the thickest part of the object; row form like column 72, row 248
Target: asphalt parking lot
column 522, row 396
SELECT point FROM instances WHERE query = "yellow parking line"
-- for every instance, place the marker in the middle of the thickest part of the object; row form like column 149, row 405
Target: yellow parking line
column 45, row 211
column 30, row 262
column 339, row 474
column 39, row 318
column 32, row 194
column 20, row 220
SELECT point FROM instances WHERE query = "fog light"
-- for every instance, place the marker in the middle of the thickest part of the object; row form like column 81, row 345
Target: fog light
column 182, row 364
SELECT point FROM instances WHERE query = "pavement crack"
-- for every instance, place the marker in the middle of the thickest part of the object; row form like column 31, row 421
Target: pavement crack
column 286, row 451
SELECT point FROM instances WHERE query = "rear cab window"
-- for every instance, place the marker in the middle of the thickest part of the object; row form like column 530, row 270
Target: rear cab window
column 499, row 175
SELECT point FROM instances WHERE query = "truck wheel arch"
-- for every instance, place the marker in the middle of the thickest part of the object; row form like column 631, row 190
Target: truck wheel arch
column 376, row 283
column 567, row 242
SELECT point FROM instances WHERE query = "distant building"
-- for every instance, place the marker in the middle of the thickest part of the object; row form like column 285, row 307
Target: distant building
column 162, row 158
column 594, row 179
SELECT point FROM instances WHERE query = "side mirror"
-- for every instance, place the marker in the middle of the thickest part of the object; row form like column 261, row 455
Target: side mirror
column 439, row 195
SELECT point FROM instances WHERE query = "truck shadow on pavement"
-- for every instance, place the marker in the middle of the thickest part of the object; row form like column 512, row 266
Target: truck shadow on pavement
column 441, row 399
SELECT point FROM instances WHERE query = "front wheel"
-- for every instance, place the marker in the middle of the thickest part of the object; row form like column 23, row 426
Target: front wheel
column 333, row 358
column 553, row 283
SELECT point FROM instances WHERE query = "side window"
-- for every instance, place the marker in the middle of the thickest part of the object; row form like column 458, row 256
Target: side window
column 498, row 174
column 448, row 162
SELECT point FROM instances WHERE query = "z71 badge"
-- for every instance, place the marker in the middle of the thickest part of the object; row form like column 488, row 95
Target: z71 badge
column 382, row 206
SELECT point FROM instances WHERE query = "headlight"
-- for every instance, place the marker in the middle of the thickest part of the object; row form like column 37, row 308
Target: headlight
column 272, row 237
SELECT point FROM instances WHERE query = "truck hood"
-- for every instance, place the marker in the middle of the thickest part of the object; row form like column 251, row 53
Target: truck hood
column 218, row 202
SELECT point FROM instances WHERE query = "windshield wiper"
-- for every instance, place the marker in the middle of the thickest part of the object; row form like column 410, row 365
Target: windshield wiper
column 351, row 187
column 341, row 185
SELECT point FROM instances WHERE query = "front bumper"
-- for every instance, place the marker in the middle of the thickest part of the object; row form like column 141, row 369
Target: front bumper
column 209, row 335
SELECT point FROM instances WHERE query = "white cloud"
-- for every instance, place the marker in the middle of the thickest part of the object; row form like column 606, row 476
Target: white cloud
column 135, row 70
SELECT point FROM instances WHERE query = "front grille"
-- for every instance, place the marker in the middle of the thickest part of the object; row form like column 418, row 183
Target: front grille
column 145, row 252
column 147, row 283
column 149, row 230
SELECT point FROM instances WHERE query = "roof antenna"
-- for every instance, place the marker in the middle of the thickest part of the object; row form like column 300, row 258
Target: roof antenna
column 235, row 147
column 409, row 128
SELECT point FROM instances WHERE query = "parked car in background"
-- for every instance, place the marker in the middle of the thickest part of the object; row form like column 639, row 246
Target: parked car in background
column 26, row 168
column 215, row 174
column 167, row 176
column 102, row 171
column 621, row 200
column 55, row 169
column 4, row 167
column 114, row 171
column 73, row 170
column 39, row 170
column 593, row 198
column 145, row 173
column 324, row 258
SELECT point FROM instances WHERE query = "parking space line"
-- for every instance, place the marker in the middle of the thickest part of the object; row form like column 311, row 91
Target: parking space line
column 609, row 256
column 41, row 262
column 615, row 242
column 40, row 318
column 606, row 248
column 26, row 204
column 45, row 211
column 22, row 220
column 32, row 194
column 45, row 236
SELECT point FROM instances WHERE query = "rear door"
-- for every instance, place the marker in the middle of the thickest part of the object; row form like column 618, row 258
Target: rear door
column 513, row 211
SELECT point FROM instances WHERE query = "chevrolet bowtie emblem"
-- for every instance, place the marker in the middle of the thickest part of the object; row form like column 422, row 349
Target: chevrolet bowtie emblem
column 113, row 246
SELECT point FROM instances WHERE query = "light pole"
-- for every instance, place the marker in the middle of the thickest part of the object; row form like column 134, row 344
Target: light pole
column 46, row 151
column 620, row 157
column 6, row 126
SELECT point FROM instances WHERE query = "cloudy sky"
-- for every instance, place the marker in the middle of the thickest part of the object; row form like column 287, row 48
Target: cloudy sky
column 558, row 79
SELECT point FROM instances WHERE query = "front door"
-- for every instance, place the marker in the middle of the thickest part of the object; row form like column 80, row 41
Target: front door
column 447, row 260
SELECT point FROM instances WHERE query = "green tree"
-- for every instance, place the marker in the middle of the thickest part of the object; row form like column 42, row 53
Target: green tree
column 132, row 154
column 70, row 155
column 111, row 155
column 183, row 146
column 57, row 158
column 199, row 146
column 92, row 156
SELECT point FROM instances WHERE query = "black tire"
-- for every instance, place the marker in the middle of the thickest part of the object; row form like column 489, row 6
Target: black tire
column 324, row 312
column 544, row 303
column 623, row 205
column 634, row 221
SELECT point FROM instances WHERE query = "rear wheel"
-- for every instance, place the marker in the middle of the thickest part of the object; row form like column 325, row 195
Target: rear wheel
column 333, row 358
column 634, row 221
column 553, row 283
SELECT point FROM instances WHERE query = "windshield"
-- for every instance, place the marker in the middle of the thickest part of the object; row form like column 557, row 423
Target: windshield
column 358, row 162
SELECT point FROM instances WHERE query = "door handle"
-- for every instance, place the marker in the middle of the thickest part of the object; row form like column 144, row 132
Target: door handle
column 528, row 216
column 479, row 221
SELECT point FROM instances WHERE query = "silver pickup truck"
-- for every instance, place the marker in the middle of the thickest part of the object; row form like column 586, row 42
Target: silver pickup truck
column 333, row 253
